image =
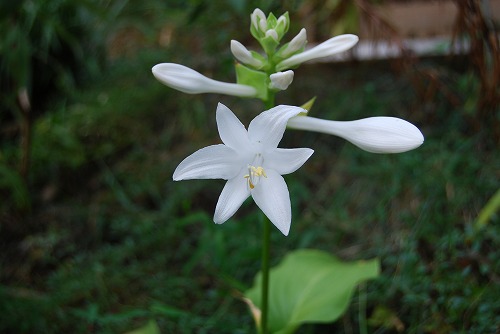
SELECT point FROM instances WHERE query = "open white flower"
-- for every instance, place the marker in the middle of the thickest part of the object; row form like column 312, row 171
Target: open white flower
column 251, row 162
column 374, row 134
column 189, row 81
column 329, row 47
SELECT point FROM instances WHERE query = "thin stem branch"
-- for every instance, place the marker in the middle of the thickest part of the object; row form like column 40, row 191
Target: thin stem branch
column 266, row 241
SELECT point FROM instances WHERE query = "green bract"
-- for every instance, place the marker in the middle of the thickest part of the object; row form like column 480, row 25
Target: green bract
column 253, row 78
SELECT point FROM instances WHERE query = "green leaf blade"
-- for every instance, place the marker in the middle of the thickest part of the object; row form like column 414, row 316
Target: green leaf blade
column 311, row 286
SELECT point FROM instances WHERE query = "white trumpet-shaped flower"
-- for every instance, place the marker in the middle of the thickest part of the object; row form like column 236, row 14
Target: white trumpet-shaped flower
column 373, row 134
column 251, row 163
column 281, row 80
column 189, row 81
column 329, row 47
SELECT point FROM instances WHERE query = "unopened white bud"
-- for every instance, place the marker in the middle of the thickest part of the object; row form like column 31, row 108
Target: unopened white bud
column 241, row 53
column 273, row 34
column 263, row 24
column 256, row 17
column 281, row 80
column 282, row 21
column 189, row 81
column 330, row 47
column 297, row 43
column 374, row 134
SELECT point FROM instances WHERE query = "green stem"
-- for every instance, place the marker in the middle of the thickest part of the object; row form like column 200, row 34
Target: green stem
column 362, row 309
column 266, row 241
column 269, row 103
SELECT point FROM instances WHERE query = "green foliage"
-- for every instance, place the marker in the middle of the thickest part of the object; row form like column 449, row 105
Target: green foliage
column 42, row 48
column 150, row 328
column 310, row 286
column 489, row 211
column 12, row 183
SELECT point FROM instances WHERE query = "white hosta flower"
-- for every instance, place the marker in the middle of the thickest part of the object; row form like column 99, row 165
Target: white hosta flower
column 330, row 47
column 189, row 81
column 297, row 43
column 251, row 162
column 373, row 134
column 281, row 80
column 241, row 53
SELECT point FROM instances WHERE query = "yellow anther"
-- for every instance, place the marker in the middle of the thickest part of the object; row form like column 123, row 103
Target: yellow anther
column 253, row 173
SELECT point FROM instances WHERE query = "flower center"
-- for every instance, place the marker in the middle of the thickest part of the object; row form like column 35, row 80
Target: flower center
column 255, row 173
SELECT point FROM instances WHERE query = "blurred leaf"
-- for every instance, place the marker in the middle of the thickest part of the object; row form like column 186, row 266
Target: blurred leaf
column 309, row 104
column 489, row 210
column 238, row 6
column 384, row 317
column 150, row 328
column 13, row 182
column 310, row 286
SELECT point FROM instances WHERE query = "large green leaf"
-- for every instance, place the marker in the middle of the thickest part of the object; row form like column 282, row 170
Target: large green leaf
column 310, row 286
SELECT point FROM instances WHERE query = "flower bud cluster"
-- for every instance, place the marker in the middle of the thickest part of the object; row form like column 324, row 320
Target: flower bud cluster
column 271, row 28
column 276, row 58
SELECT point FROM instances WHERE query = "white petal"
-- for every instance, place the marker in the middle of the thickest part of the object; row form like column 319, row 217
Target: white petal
column 241, row 53
column 235, row 192
column 212, row 162
column 272, row 197
column 374, row 134
column 189, row 81
column 268, row 127
column 330, row 47
column 231, row 130
column 281, row 80
column 286, row 161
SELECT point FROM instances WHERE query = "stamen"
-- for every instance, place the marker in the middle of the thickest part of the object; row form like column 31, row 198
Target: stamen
column 254, row 173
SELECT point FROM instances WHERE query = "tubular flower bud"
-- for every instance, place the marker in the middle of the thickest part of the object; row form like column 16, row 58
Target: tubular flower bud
column 189, row 81
column 273, row 34
column 256, row 17
column 373, row 134
column 241, row 53
column 297, row 43
column 330, row 47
